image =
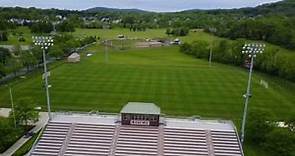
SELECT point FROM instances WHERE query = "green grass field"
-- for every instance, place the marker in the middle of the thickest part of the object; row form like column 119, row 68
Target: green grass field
column 179, row 84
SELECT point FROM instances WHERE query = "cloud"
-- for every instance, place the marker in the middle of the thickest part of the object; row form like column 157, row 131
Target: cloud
column 152, row 5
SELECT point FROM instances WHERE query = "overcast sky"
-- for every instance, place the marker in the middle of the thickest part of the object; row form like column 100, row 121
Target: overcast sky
column 151, row 5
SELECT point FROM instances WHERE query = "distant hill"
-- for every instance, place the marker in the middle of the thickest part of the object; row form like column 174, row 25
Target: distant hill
column 285, row 7
column 104, row 9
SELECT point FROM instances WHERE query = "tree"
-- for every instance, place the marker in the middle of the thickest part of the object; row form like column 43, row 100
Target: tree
column 291, row 124
column 75, row 20
column 4, row 55
column 222, row 52
column 178, row 31
column 200, row 49
column 3, row 36
column 56, row 51
column 13, row 65
column 237, row 57
column 280, row 141
column 258, row 126
column 17, row 50
column 28, row 59
column 128, row 21
column 2, row 70
column 169, row 31
column 186, row 48
column 41, row 27
column 24, row 111
column 65, row 26
column 8, row 134
column 37, row 53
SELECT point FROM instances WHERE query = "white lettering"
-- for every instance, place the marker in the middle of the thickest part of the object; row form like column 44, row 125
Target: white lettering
column 140, row 122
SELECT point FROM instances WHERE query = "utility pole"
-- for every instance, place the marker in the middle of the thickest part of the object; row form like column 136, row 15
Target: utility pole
column 45, row 43
column 46, row 74
column 251, row 50
column 12, row 106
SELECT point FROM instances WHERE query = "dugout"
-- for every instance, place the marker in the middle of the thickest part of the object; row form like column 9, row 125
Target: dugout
column 140, row 114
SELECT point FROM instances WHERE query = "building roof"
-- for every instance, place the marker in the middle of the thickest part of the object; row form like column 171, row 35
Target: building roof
column 74, row 55
column 141, row 108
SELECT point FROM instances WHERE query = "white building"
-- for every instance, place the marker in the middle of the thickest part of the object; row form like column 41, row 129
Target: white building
column 74, row 57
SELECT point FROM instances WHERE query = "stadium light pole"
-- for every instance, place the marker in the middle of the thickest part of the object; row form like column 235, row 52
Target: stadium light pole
column 106, row 52
column 251, row 50
column 45, row 42
column 12, row 105
column 106, row 55
column 210, row 54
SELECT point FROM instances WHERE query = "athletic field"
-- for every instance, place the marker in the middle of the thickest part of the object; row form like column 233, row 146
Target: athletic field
column 179, row 84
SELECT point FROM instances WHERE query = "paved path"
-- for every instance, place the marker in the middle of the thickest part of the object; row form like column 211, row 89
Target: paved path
column 4, row 112
column 41, row 123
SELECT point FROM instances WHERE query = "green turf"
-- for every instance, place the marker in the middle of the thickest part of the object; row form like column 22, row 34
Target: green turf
column 179, row 84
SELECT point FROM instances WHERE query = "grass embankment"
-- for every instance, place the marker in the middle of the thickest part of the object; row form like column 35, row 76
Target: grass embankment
column 25, row 148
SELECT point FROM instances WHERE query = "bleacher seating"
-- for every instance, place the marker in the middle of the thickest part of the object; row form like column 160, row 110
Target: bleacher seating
column 179, row 142
column 88, row 139
column 225, row 143
column 134, row 141
column 52, row 139
column 81, row 139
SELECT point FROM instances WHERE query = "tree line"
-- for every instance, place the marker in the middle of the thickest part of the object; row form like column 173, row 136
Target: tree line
column 265, row 133
column 272, row 61
column 275, row 29
column 271, row 22
column 11, row 62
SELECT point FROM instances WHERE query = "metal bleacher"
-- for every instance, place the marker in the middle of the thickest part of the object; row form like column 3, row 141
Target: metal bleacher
column 74, row 139
column 225, row 143
column 179, row 141
column 88, row 139
column 94, row 139
column 52, row 139
column 134, row 141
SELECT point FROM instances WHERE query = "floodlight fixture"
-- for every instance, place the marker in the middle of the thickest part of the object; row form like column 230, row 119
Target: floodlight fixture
column 251, row 50
column 45, row 42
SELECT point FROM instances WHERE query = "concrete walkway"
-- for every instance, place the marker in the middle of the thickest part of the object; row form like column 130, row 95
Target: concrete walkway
column 43, row 118
column 4, row 112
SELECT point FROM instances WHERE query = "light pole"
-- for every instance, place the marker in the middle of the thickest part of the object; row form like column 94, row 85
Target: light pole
column 106, row 55
column 210, row 55
column 45, row 42
column 12, row 105
column 251, row 50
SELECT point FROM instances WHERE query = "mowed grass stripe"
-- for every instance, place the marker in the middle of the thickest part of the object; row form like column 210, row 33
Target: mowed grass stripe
column 179, row 84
